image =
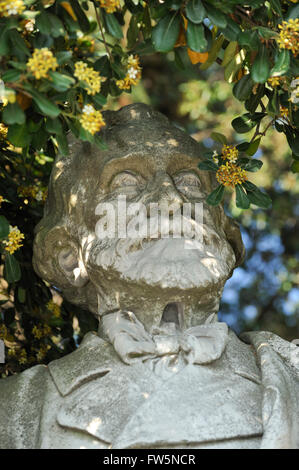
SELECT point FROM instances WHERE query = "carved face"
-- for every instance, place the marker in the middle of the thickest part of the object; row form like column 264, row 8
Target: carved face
column 148, row 161
column 169, row 180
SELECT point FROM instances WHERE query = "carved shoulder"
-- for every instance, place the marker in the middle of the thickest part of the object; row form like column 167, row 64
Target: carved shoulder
column 21, row 402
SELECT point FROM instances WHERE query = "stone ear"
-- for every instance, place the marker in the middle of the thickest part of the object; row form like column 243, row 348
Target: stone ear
column 233, row 235
column 72, row 266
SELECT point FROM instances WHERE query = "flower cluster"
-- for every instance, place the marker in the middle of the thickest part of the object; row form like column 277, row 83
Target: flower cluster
column 230, row 153
column 11, row 7
column 32, row 192
column 41, row 62
column 91, row 77
column 230, row 174
column 289, row 35
column 284, row 112
column 109, row 5
column 54, row 308
column 294, row 86
column 13, row 241
column 42, row 352
column 91, row 120
column 133, row 73
column 40, row 331
column 3, row 332
column 3, row 131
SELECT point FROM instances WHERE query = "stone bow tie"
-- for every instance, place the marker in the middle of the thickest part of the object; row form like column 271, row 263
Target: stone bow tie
column 200, row 344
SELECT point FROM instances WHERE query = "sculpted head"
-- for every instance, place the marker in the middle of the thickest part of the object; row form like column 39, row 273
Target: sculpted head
column 148, row 161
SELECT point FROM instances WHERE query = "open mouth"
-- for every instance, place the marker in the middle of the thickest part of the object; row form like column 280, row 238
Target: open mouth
column 173, row 313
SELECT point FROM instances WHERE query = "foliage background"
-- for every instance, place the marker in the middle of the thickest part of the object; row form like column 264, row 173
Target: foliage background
column 36, row 324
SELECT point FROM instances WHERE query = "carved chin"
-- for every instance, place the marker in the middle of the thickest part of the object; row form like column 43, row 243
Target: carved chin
column 168, row 263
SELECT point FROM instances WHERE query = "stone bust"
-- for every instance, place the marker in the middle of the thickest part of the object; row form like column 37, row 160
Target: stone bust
column 162, row 371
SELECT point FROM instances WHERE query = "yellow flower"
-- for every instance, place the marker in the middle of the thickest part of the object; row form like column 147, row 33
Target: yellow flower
column 14, row 240
column 1, row 200
column 11, row 7
column 274, row 81
column 54, row 308
column 22, row 356
column 91, row 120
column 229, row 152
column 41, row 62
column 42, row 352
column 284, row 112
column 109, row 5
column 33, row 192
column 289, row 35
column 3, row 332
column 230, row 175
column 37, row 332
column 3, row 131
column 91, row 77
column 133, row 74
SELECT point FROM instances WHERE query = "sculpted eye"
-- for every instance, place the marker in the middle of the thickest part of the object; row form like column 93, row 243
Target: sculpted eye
column 127, row 181
column 187, row 183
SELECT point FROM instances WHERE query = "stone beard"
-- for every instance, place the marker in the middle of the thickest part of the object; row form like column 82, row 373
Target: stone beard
column 161, row 372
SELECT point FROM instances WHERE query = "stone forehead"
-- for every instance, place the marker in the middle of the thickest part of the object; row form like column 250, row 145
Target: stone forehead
column 138, row 129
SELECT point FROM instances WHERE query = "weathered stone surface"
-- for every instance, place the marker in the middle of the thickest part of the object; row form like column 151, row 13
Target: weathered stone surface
column 162, row 372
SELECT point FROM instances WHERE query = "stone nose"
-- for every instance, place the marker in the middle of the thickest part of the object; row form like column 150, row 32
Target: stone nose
column 165, row 192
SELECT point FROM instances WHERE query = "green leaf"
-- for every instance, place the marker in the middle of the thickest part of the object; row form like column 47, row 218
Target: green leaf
column 165, row 33
column 254, row 100
column 18, row 135
column 218, row 137
column 99, row 99
column 196, row 39
column 282, row 63
column 216, row 16
column 195, row 11
column 250, row 39
column 276, row 6
column 63, row 57
column 234, row 66
column 53, row 126
column 12, row 270
column 242, row 200
column 253, row 147
column 60, row 81
column 133, row 31
column 213, row 53
column 250, row 165
column 46, row 106
column 246, row 122
column 11, row 75
column 208, row 165
column 49, row 24
column 295, row 167
column 113, row 26
column 231, row 31
column 260, row 69
column 242, row 89
column 229, row 53
column 82, row 18
column 256, row 196
column 19, row 46
column 216, row 196
column 4, row 227
column 62, row 144
column 13, row 114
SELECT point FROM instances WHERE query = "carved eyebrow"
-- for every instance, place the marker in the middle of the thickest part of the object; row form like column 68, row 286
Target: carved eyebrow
column 181, row 162
column 140, row 165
